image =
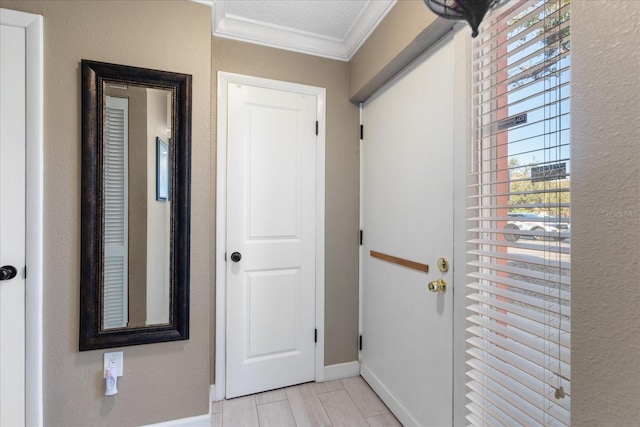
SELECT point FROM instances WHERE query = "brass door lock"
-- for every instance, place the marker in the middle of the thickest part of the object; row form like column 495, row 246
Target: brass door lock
column 443, row 265
column 438, row 286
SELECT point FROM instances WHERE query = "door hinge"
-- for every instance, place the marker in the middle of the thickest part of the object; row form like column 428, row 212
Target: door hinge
column 361, row 237
column 361, row 131
column 315, row 335
column 317, row 125
column 360, row 345
column 25, row 271
column 225, row 257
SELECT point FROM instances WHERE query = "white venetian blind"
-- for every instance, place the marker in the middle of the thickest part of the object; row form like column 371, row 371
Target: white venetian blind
column 116, row 195
column 519, row 322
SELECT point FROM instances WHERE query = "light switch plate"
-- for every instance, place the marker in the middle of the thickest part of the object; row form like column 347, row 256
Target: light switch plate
column 116, row 357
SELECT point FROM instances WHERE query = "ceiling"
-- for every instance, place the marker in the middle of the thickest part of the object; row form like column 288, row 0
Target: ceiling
column 329, row 28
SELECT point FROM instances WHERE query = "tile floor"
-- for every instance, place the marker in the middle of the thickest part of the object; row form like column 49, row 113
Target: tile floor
column 349, row 402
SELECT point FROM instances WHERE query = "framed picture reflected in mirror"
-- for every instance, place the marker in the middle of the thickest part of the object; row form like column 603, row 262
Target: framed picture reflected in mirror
column 162, row 170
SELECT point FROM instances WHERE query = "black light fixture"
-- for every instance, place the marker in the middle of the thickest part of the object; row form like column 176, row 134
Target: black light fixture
column 472, row 11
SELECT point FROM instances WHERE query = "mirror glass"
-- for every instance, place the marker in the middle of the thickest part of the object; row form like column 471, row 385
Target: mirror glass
column 137, row 134
column 135, row 205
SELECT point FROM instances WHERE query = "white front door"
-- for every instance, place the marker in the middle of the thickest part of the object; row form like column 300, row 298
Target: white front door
column 407, row 205
column 271, row 238
column 12, row 224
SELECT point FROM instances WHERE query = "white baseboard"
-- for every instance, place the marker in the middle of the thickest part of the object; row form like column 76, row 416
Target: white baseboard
column 388, row 398
column 199, row 421
column 212, row 395
column 341, row 370
column 329, row 373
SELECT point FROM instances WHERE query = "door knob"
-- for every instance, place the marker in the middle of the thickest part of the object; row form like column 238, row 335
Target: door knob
column 438, row 286
column 8, row 272
column 236, row 256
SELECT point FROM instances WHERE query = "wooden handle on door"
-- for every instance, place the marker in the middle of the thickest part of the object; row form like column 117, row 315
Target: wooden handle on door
column 401, row 261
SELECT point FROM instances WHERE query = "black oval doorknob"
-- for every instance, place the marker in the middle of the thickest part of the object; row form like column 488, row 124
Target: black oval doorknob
column 236, row 256
column 8, row 272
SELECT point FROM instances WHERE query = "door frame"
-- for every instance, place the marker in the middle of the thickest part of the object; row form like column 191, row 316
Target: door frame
column 33, row 25
column 462, row 158
column 224, row 78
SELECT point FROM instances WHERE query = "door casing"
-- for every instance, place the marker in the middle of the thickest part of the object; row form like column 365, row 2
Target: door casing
column 33, row 25
column 12, row 223
column 224, row 78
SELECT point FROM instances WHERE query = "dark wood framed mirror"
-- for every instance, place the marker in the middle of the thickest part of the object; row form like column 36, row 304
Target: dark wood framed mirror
column 135, row 219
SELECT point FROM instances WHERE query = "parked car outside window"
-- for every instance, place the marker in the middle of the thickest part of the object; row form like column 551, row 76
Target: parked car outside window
column 543, row 227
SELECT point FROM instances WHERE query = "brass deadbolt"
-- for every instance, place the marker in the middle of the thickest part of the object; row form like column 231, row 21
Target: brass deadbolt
column 443, row 265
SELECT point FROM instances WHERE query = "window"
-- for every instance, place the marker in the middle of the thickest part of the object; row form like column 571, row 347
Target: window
column 519, row 218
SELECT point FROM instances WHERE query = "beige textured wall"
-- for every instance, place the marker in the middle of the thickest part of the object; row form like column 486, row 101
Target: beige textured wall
column 342, row 176
column 605, row 129
column 161, row 381
column 408, row 30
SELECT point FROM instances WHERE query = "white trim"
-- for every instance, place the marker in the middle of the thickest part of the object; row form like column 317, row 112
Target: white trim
column 221, row 219
column 361, row 253
column 204, row 2
column 264, row 33
column 212, row 395
column 388, row 398
column 461, row 162
column 197, row 421
column 33, row 25
column 321, row 94
column 341, row 370
column 221, row 240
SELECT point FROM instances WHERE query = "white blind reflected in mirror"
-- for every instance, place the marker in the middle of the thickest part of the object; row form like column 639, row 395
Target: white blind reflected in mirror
column 115, row 312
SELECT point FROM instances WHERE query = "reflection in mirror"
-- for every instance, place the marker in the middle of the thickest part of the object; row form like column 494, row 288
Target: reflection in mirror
column 135, row 205
column 136, row 219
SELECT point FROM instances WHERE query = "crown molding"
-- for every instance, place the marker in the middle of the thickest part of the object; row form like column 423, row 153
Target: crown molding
column 236, row 27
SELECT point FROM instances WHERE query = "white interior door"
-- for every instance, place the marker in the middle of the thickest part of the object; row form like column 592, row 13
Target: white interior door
column 271, row 224
column 12, row 224
column 407, row 205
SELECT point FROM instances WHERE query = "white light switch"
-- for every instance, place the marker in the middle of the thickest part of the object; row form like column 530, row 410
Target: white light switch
column 116, row 358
